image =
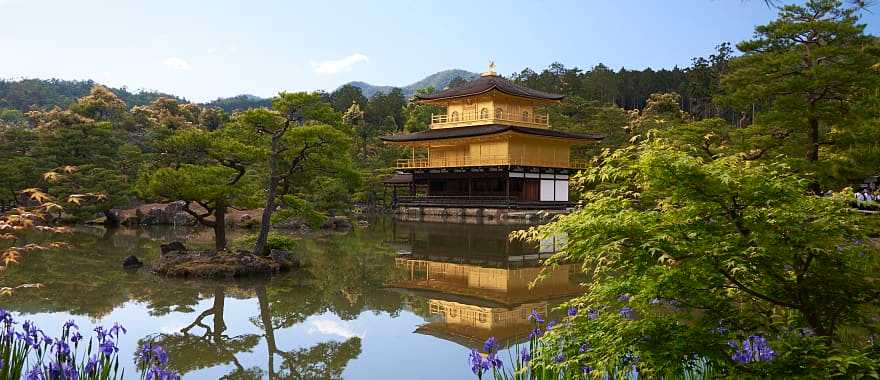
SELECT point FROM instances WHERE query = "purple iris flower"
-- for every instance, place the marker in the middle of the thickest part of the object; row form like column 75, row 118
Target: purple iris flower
column 754, row 348
column 572, row 311
column 550, row 325
column 35, row 373
column 583, row 348
column 627, row 313
column 69, row 371
column 61, row 348
column 559, row 358
column 92, row 365
column 535, row 316
column 592, row 313
column 586, row 369
column 494, row 361
column 107, row 347
column 623, row 297
column 76, row 337
column 158, row 373
column 69, row 324
column 102, row 333
column 525, row 355
column 161, row 355
column 116, row 328
column 490, row 345
column 478, row 365
column 537, row 332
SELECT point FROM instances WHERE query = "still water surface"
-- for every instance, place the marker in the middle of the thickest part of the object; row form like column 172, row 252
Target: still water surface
column 393, row 300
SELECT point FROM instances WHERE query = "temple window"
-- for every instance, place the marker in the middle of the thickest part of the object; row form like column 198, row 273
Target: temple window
column 484, row 113
column 454, row 115
column 499, row 113
column 525, row 115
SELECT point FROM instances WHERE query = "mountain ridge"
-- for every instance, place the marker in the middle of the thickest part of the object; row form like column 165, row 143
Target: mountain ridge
column 18, row 94
column 438, row 80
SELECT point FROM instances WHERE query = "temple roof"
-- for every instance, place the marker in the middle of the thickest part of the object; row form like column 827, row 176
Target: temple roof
column 488, row 83
column 482, row 130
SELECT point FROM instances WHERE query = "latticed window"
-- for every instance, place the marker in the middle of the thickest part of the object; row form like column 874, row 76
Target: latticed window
column 484, row 113
column 499, row 113
column 454, row 115
column 525, row 115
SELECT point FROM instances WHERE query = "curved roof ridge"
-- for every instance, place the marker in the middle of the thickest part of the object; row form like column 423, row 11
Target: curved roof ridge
column 488, row 83
column 482, row 130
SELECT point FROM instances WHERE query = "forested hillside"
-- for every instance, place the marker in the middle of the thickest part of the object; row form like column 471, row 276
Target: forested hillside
column 46, row 93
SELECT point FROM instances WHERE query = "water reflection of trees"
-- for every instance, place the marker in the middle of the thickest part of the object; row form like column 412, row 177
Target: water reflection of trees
column 345, row 275
column 203, row 344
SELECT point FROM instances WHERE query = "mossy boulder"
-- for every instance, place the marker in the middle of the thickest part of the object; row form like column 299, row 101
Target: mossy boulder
column 223, row 264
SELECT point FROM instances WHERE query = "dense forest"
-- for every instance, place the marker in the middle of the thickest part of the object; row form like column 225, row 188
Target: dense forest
column 618, row 104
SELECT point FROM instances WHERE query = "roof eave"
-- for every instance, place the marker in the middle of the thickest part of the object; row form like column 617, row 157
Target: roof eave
column 420, row 99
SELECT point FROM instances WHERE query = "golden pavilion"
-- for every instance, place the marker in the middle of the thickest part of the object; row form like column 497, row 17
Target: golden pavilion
column 493, row 147
column 477, row 283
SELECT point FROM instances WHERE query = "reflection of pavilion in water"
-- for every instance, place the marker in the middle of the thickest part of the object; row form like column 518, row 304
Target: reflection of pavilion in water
column 477, row 281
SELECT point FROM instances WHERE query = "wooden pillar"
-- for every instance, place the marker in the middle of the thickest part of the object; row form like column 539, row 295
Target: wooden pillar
column 507, row 188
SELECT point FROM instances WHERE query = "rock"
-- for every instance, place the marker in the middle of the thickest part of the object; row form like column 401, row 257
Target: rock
column 337, row 223
column 247, row 221
column 174, row 246
column 132, row 262
column 287, row 259
column 290, row 224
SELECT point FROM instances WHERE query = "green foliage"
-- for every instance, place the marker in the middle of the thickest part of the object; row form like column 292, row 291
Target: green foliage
column 239, row 103
column 809, row 73
column 24, row 94
column 697, row 244
column 111, row 184
column 345, row 96
column 11, row 117
column 383, row 106
column 294, row 207
column 418, row 116
column 19, row 166
column 276, row 240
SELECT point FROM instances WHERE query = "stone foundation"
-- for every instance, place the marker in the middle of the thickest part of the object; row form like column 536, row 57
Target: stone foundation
column 475, row 215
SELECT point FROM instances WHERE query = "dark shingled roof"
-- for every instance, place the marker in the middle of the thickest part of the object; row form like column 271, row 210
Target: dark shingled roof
column 487, row 83
column 482, row 130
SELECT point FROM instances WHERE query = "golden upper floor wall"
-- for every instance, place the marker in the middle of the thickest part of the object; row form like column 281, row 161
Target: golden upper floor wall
column 494, row 107
column 502, row 149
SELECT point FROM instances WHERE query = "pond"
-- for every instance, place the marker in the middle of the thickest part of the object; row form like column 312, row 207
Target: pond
column 391, row 300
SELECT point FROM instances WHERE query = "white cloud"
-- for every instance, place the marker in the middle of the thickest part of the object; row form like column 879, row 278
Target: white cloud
column 177, row 63
column 334, row 66
column 328, row 327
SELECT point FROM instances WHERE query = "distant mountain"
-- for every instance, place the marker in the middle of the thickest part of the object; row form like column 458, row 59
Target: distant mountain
column 437, row 80
column 46, row 93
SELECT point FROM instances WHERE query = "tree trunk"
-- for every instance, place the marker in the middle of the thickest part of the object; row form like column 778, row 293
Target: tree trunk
column 219, row 322
column 220, row 227
column 268, row 328
column 813, row 154
column 271, row 192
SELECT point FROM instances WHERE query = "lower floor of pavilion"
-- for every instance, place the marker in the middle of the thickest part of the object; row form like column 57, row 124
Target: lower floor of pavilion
column 506, row 187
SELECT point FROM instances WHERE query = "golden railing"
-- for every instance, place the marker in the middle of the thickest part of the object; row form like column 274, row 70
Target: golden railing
column 471, row 116
column 442, row 162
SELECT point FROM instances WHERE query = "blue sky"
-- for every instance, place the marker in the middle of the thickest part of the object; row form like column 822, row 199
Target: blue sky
column 207, row 49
